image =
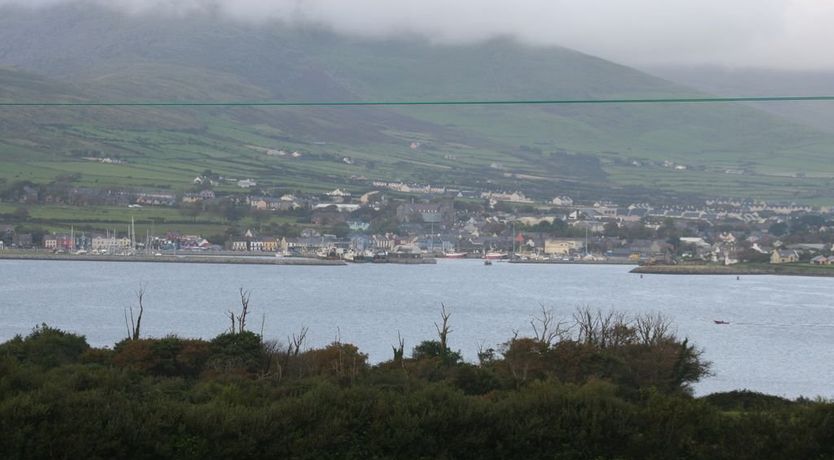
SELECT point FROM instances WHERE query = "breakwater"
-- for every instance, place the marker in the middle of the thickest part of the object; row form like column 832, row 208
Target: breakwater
column 182, row 259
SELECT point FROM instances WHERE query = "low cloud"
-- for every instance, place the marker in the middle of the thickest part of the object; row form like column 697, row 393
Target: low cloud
column 786, row 34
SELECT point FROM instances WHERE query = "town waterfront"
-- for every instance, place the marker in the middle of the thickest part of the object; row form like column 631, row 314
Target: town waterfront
column 780, row 339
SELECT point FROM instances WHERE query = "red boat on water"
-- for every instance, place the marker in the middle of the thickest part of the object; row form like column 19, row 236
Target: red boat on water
column 718, row 321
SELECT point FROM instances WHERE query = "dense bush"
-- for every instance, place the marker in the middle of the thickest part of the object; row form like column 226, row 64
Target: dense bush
column 46, row 346
column 169, row 356
column 614, row 394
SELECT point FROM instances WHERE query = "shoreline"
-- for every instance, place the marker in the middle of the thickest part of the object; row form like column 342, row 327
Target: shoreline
column 737, row 270
column 574, row 262
column 184, row 259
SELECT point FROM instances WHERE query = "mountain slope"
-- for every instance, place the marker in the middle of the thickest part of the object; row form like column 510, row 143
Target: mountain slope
column 754, row 82
column 103, row 55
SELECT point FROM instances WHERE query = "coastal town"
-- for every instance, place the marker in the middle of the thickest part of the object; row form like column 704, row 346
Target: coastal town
column 416, row 223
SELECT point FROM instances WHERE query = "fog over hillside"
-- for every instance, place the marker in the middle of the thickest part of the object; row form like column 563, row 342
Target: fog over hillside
column 764, row 82
column 765, row 33
column 86, row 51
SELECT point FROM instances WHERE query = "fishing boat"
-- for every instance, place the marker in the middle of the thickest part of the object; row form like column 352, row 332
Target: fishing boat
column 718, row 321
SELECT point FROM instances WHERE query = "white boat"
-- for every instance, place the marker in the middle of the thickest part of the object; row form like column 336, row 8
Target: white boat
column 455, row 255
column 495, row 255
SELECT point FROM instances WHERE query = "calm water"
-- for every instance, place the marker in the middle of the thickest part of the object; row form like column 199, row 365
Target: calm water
column 781, row 340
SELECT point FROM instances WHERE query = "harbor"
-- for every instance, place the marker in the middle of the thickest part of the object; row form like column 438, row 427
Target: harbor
column 180, row 258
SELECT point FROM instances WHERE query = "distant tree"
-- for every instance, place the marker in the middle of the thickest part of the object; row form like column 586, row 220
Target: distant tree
column 341, row 230
column 21, row 214
column 778, row 229
column 675, row 242
column 383, row 225
column 749, row 255
column 217, row 238
column 234, row 213
column 807, row 223
column 433, row 349
column 667, row 229
column 192, row 211
column 611, row 229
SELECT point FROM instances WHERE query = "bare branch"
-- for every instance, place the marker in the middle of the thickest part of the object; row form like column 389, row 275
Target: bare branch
column 603, row 330
column 546, row 329
column 297, row 341
column 244, row 310
column 399, row 350
column 653, row 329
column 444, row 330
column 140, row 295
column 127, row 325
column 485, row 355
column 232, row 319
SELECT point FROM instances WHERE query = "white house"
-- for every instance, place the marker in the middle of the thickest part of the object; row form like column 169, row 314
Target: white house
column 562, row 201
column 339, row 193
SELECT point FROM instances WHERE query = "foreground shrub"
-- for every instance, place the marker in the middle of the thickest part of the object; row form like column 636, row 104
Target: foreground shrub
column 170, row 356
column 46, row 346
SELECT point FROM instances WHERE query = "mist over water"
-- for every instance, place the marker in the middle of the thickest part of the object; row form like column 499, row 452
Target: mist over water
column 780, row 339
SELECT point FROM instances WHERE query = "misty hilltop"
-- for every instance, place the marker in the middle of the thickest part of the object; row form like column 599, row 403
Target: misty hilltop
column 89, row 53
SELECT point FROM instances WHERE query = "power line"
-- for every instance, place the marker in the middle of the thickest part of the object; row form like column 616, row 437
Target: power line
column 412, row 103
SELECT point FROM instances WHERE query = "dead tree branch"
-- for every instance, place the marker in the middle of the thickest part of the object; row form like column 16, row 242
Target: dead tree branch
column 399, row 350
column 443, row 330
column 134, row 325
column 653, row 329
column 244, row 310
column 546, row 329
column 140, row 295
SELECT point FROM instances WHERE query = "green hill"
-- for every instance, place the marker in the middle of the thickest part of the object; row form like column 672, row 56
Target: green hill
column 618, row 152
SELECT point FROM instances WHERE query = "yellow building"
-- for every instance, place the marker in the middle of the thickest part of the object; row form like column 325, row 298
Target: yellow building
column 563, row 246
column 780, row 256
column 270, row 245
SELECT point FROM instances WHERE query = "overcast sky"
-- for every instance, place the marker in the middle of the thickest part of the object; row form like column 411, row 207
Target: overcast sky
column 785, row 34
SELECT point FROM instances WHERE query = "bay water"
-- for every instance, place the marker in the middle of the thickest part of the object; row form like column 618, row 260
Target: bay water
column 779, row 340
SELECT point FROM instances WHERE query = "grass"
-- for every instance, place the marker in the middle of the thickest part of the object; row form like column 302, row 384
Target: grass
column 166, row 148
column 60, row 219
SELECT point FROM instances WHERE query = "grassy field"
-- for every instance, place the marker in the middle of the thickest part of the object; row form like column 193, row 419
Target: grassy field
column 61, row 219
column 542, row 150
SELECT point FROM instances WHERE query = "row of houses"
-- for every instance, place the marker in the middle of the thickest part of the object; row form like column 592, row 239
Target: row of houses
column 312, row 241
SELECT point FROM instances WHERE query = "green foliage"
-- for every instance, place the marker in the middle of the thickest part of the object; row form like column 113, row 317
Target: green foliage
column 46, row 346
column 169, row 356
column 434, row 349
column 184, row 398
column 778, row 229
column 745, row 400
column 237, row 351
